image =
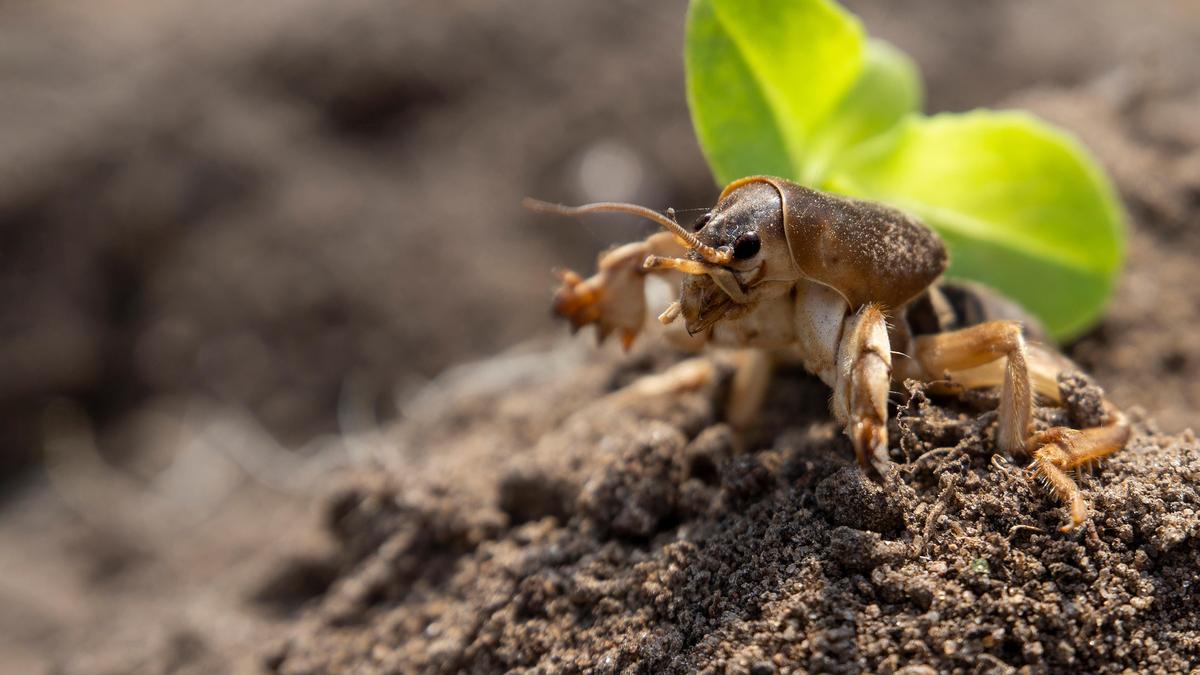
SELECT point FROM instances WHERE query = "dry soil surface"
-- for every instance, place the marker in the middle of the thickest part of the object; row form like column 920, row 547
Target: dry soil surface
column 565, row 522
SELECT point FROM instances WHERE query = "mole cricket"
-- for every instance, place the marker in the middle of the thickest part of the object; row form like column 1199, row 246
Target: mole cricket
column 851, row 289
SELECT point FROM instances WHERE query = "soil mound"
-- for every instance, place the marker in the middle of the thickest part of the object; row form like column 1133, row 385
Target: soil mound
column 639, row 533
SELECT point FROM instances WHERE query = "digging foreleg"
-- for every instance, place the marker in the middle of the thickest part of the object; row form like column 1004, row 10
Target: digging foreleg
column 614, row 298
column 863, row 380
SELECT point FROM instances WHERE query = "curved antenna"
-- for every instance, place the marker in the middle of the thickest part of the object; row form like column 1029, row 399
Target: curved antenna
column 710, row 254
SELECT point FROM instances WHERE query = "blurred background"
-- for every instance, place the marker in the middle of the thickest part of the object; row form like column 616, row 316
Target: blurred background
column 263, row 226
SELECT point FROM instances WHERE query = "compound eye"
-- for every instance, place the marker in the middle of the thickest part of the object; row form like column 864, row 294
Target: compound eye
column 701, row 222
column 746, row 246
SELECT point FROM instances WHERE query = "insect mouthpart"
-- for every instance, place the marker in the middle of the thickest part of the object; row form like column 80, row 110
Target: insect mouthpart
column 702, row 303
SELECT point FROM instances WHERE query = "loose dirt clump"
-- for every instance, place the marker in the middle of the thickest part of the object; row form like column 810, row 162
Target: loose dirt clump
column 620, row 541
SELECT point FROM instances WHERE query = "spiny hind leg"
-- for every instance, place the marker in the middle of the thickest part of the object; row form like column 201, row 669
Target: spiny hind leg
column 1044, row 366
column 1058, row 450
column 1061, row 449
column 863, row 380
column 939, row 356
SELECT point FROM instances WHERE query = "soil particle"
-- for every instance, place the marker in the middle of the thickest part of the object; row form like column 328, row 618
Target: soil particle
column 1083, row 400
column 639, row 491
column 851, row 499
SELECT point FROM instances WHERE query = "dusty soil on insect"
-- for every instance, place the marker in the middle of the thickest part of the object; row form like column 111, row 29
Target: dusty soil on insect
column 225, row 226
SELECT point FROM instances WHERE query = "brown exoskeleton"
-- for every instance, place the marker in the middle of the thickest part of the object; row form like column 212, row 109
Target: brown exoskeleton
column 853, row 290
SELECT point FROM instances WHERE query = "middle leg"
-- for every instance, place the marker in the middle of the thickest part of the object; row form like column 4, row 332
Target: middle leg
column 748, row 390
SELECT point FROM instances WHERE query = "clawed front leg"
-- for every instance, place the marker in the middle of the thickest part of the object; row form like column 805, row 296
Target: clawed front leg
column 864, row 378
column 614, row 297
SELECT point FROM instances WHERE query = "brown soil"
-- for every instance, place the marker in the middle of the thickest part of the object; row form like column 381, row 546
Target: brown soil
column 616, row 532
column 224, row 228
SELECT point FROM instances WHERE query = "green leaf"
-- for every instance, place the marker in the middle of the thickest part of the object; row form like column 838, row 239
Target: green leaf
column 763, row 76
column 887, row 90
column 1021, row 205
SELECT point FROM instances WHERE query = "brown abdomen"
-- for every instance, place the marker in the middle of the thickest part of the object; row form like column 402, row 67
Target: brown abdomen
column 951, row 305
